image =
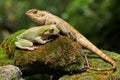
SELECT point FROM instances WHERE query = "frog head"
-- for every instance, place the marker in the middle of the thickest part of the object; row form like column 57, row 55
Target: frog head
column 52, row 30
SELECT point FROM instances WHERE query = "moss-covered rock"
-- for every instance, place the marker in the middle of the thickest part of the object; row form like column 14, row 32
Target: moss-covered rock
column 8, row 43
column 4, row 59
column 7, row 49
column 60, row 54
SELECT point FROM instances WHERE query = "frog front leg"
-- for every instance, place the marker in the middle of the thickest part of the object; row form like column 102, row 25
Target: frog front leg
column 25, row 44
column 41, row 41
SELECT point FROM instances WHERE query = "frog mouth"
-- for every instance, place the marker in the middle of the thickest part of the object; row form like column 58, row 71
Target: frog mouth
column 48, row 36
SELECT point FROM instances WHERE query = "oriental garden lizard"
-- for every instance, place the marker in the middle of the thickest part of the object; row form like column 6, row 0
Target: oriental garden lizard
column 46, row 18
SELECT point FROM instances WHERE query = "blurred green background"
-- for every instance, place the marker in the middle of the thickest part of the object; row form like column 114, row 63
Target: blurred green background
column 98, row 20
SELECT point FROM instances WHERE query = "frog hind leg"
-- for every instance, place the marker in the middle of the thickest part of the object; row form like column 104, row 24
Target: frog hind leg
column 24, row 44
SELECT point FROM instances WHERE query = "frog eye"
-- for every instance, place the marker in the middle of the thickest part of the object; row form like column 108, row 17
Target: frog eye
column 35, row 12
column 51, row 30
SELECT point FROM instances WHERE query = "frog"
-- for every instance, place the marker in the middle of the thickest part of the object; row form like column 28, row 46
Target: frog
column 38, row 34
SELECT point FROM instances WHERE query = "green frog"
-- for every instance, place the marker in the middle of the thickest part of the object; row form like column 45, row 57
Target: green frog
column 39, row 34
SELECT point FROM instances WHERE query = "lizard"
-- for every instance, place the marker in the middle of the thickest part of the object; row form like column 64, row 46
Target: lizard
column 44, row 18
column 38, row 34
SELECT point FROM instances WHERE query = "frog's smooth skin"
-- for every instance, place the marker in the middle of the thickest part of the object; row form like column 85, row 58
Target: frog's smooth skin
column 34, row 34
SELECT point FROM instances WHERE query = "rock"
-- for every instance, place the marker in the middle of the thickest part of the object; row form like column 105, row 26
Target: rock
column 10, row 72
column 60, row 55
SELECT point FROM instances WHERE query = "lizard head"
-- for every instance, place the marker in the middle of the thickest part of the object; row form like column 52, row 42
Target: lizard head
column 37, row 15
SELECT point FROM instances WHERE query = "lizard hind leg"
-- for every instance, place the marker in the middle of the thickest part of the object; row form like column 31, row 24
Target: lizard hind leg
column 100, row 69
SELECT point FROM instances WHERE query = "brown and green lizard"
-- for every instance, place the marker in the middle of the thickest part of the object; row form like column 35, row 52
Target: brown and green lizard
column 45, row 18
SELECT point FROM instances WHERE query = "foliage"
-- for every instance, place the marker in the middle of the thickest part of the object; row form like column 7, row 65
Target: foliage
column 98, row 20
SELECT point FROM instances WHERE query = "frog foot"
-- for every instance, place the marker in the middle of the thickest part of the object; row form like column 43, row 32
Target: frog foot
column 30, row 48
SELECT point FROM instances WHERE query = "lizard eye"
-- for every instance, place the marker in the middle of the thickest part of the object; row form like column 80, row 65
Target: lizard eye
column 35, row 12
column 51, row 30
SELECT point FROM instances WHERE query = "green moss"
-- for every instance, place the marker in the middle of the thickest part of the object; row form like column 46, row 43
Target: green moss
column 4, row 59
column 7, row 49
column 60, row 53
column 2, row 78
column 8, row 43
column 13, row 75
column 2, row 53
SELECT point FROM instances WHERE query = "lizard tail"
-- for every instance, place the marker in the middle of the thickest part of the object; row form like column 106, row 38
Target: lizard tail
column 105, row 69
column 87, row 44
